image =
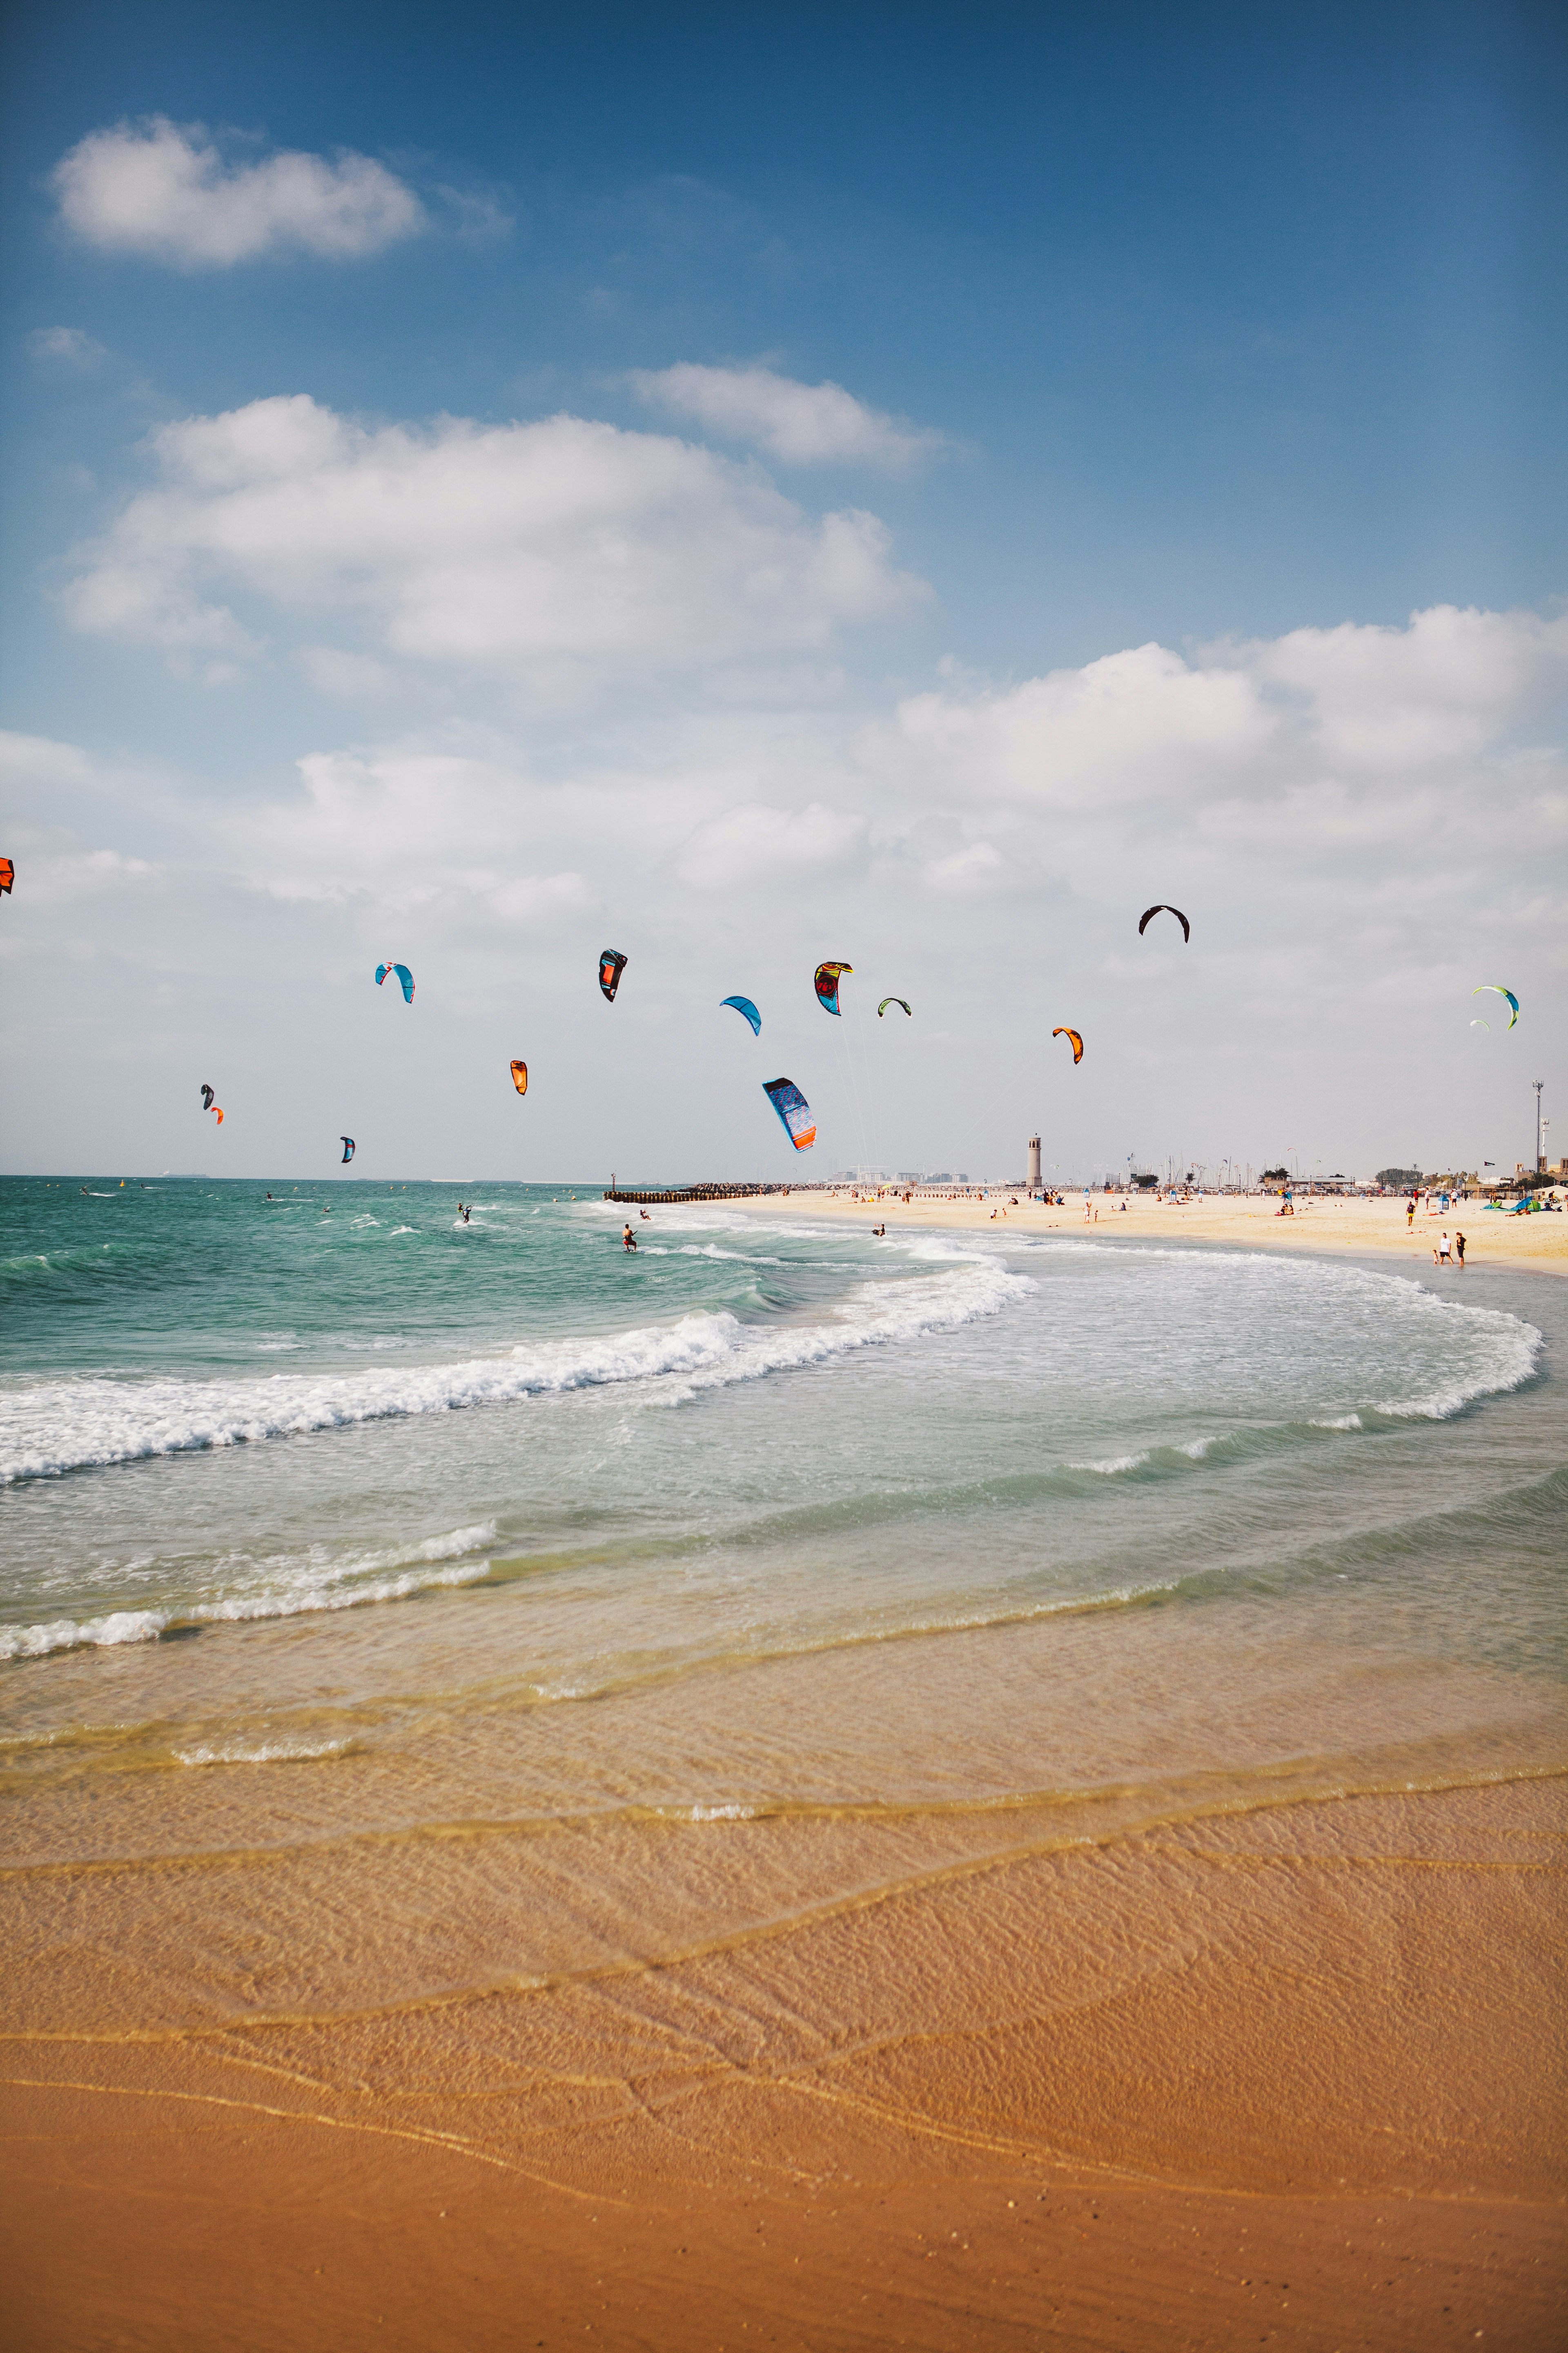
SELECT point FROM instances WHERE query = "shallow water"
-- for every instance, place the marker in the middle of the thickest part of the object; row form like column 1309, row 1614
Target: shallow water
column 444, row 1604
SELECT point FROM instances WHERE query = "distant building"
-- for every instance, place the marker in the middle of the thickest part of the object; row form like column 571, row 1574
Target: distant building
column 1034, row 1164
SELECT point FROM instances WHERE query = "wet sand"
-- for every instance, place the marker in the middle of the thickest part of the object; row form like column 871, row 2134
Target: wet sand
column 1293, row 2075
column 1325, row 1223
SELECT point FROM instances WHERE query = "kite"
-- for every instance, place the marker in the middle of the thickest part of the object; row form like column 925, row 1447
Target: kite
column 403, row 974
column 1163, row 909
column 744, row 1005
column 207, row 1098
column 1077, row 1042
column 1480, row 1025
column 217, row 1113
column 7, row 875
column 519, row 1077
column 612, row 964
column 827, row 984
column 348, row 1144
column 794, row 1110
column 895, row 1000
column 1496, row 989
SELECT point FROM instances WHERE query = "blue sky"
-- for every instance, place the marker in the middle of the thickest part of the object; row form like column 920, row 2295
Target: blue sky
column 1229, row 333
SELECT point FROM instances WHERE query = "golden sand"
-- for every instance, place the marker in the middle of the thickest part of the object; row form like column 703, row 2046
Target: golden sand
column 1293, row 2077
column 1325, row 1222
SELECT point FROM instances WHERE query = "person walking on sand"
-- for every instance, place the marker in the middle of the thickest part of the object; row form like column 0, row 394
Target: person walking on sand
column 1440, row 1255
column 1410, row 1213
column 1459, row 1251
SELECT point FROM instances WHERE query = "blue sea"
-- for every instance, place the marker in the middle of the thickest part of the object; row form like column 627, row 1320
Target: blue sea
column 335, row 1525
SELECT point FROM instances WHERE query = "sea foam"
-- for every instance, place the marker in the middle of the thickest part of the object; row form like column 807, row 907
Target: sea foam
column 60, row 1426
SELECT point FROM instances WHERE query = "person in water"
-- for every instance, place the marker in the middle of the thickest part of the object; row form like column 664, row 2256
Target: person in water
column 1459, row 1251
column 629, row 1240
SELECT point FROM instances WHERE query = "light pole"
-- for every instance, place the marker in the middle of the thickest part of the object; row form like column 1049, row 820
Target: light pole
column 1540, row 1154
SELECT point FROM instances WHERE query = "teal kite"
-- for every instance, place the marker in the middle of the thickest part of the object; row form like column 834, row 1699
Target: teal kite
column 744, row 1005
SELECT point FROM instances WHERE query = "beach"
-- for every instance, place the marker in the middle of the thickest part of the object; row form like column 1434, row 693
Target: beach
column 969, row 1790
column 1321, row 1221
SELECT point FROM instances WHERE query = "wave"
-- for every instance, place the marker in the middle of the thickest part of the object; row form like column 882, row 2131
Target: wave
column 347, row 1582
column 85, row 1424
column 264, row 1752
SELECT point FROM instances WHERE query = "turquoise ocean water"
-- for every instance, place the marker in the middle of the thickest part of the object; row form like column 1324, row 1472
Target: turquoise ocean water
column 336, row 1517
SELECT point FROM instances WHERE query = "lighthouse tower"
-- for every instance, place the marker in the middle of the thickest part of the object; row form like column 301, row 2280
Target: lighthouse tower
column 1034, row 1164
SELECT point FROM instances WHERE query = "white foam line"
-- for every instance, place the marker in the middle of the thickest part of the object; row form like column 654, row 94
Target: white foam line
column 62, row 1426
column 325, row 1584
column 267, row 1752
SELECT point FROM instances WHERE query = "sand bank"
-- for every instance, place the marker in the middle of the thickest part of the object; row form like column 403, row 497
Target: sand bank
column 1290, row 2077
column 1325, row 1223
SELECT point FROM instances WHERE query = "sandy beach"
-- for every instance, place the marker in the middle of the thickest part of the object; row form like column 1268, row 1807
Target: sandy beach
column 1293, row 2078
column 1323, row 1222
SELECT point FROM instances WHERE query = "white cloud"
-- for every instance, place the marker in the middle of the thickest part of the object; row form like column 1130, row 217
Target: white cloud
column 356, row 678
column 1123, row 729
column 1392, row 699
column 756, row 840
column 562, row 547
column 799, row 423
column 1333, row 736
column 965, row 869
column 164, row 190
column 72, row 345
column 38, row 764
column 406, row 829
column 57, row 878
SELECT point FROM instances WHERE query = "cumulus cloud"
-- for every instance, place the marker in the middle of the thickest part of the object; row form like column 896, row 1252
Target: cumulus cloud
column 799, row 423
column 562, row 547
column 407, row 828
column 754, row 841
column 72, row 345
column 1123, row 729
column 1394, row 699
column 1329, row 723
column 165, row 190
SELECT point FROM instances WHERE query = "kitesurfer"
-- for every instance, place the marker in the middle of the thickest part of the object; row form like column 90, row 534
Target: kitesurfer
column 629, row 1240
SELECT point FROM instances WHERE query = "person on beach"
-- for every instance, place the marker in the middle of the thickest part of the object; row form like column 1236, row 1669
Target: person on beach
column 629, row 1240
column 1440, row 1255
column 1459, row 1250
column 1410, row 1213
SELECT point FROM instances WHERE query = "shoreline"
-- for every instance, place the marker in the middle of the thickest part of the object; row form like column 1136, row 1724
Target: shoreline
column 1354, row 1227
